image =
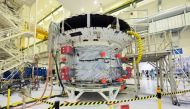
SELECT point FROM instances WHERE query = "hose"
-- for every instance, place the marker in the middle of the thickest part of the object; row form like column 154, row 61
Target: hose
column 57, row 71
column 46, row 84
column 139, row 45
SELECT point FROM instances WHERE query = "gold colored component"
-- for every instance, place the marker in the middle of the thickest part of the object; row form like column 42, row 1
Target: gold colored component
column 41, row 34
column 139, row 44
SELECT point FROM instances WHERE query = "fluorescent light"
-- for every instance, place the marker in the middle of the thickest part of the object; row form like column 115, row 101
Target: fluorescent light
column 60, row 9
column 50, row 2
column 56, row 12
column 82, row 9
column 101, row 10
column 46, row 5
column 95, row 2
column 48, row 18
column 41, row 23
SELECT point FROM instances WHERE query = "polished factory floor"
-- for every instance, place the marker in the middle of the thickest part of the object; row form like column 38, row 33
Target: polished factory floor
column 147, row 87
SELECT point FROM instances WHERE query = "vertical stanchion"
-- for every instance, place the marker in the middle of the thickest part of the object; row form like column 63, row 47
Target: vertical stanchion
column 110, row 107
column 159, row 96
column 8, row 97
column 56, row 105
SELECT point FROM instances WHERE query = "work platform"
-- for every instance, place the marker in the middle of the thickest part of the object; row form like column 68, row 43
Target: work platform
column 150, row 56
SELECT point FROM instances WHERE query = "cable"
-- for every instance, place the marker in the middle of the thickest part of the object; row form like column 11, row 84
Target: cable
column 57, row 71
column 46, row 84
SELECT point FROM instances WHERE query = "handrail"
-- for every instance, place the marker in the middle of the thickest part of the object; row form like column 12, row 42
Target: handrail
column 181, row 63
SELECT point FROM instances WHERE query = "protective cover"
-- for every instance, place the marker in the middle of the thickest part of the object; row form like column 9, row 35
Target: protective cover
column 90, row 66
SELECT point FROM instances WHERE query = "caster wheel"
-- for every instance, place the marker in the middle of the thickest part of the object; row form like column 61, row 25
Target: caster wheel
column 136, row 96
column 178, row 104
column 174, row 103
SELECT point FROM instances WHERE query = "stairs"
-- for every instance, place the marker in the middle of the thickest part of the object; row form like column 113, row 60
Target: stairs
column 10, row 18
column 13, row 56
column 11, row 63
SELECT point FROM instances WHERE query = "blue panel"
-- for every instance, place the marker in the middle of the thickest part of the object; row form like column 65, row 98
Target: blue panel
column 178, row 51
column 41, row 71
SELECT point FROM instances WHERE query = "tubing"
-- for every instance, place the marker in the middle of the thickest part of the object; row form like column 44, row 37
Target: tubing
column 139, row 45
column 57, row 71
column 46, row 84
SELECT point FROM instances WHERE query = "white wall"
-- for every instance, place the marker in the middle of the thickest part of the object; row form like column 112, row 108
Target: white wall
column 145, row 66
column 184, row 42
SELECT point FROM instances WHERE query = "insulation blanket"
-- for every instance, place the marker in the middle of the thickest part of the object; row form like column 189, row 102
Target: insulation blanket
column 90, row 66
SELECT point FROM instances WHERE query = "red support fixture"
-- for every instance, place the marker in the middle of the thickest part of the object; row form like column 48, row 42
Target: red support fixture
column 124, row 107
column 129, row 73
column 123, row 87
column 65, row 73
column 118, row 56
column 63, row 59
column 103, row 54
column 120, row 80
column 103, row 81
column 124, row 59
column 66, row 49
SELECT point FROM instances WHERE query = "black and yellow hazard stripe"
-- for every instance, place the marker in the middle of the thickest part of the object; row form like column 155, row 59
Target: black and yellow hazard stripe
column 174, row 93
column 33, row 100
column 117, row 101
column 105, row 102
column 42, row 100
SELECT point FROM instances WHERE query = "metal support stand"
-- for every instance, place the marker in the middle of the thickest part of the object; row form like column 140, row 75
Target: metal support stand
column 138, row 77
column 158, row 75
column 112, row 90
column 56, row 105
column 161, row 74
column 24, row 102
column 135, row 77
column 172, row 81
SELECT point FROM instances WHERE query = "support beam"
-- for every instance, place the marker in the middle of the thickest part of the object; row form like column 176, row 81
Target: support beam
column 138, row 76
column 161, row 74
column 157, row 70
column 135, row 77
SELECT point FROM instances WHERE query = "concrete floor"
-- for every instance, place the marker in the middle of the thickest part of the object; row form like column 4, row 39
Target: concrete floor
column 147, row 87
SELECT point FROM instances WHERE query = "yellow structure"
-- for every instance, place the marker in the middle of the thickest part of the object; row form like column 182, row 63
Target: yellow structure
column 8, row 97
column 41, row 34
column 159, row 95
column 139, row 45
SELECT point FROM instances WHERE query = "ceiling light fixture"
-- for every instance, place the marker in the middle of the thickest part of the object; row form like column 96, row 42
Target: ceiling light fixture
column 50, row 2
column 101, row 8
column 82, row 9
column 41, row 10
column 48, row 18
column 46, row 6
column 60, row 10
column 95, row 2
column 41, row 23
column 56, row 12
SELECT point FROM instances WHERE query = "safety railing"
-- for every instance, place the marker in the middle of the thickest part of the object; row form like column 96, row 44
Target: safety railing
column 8, row 32
column 179, row 68
column 153, row 43
column 5, row 11
column 11, row 63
